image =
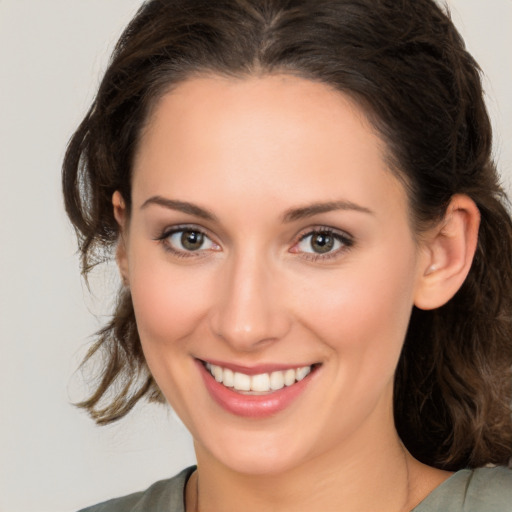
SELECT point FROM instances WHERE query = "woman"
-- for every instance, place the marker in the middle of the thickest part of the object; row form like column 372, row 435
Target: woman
column 315, row 254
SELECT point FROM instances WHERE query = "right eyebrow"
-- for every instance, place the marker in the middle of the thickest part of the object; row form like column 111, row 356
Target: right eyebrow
column 311, row 210
column 180, row 206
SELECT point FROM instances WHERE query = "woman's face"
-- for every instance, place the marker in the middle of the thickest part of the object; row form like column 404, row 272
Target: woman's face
column 268, row 235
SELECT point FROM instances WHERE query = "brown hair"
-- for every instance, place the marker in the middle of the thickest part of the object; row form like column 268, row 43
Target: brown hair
column 404, row 62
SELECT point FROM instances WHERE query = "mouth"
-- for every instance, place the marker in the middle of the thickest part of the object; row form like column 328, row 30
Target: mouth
column 258, row 392
column 260, row 383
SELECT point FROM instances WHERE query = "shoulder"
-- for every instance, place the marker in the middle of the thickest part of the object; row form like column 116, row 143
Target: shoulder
column 162, row 496
column 477, row 490
column 490, row 489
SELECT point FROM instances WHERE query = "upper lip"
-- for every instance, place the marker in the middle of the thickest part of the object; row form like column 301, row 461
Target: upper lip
column 256, row 369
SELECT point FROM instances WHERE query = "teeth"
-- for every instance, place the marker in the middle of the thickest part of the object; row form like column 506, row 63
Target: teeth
column 261, row 383
column 242, row 382
column 302, row 372
column 228, row 378
column 289, row 377
column 276, row 380
column 217, row 373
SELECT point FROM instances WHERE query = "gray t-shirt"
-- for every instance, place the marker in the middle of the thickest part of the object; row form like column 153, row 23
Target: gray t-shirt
column 478, row 490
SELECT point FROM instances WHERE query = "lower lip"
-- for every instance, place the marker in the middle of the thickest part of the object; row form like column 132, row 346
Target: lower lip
column 252, row 406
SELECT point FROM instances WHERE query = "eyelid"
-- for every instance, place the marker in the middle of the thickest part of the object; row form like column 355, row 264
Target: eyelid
column 339, row 233
column 345, row 238
column 168, row 231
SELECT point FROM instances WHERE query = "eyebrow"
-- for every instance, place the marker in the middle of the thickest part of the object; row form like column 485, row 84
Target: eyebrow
column 290, row 215
column 180, row 206
column 295, row 214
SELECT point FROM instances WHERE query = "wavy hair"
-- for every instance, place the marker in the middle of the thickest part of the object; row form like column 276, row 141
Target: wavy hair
column 406, row 65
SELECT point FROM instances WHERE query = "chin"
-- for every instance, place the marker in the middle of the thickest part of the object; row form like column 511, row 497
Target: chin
column 258, row 454
column 259, row 464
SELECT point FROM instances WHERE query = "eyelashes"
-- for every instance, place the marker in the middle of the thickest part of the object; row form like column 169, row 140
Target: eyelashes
column 314, row 244
column 187, row 241
column 322, row 243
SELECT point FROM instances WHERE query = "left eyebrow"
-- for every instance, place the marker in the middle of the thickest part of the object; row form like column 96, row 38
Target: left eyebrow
column 295, row 214
column 180, row 206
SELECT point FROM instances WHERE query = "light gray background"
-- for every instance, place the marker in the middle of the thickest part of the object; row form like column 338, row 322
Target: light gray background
column 52, row 52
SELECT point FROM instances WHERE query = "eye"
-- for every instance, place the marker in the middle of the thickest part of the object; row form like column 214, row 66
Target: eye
column 188, row 240
column 322, row 242
column 183, row 241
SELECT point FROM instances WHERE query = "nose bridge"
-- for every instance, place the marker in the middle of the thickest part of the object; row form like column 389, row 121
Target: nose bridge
column 248, row 311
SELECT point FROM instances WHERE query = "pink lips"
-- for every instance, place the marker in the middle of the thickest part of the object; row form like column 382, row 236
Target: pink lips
column 252, row 406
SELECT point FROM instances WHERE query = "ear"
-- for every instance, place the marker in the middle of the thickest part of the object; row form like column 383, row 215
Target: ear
column 121, row 216
column 448, row 253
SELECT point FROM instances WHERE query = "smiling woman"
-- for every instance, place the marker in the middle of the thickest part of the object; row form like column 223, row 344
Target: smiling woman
column 305, row 215
column 255, row 283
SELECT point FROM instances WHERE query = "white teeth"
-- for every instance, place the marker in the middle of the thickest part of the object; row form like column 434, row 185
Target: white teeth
column 276, row 380
column 261, row 383
column 302, row 372
column 228, row 378
column 242, row 382
column 217, row 373
column 289, row 377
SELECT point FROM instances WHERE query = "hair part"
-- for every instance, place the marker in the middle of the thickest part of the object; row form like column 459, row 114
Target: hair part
column 405, row 64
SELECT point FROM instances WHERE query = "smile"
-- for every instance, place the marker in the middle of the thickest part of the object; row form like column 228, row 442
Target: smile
column 260, row 383
column 256, row 392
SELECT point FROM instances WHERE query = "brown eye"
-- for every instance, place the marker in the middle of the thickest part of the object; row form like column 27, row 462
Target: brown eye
column 322, row 242
column 187, row 240
column 192, row 240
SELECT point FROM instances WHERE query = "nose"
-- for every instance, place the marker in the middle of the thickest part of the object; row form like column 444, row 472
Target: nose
column 249, row 312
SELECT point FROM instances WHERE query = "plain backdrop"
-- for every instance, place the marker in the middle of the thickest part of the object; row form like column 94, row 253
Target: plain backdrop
column 52, row 53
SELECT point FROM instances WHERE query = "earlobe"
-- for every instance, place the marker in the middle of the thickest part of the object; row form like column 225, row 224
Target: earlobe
column 448, row 254
column 120, row 215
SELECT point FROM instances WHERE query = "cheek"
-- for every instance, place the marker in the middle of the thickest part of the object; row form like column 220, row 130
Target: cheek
column 169, row 301
column 363, row 312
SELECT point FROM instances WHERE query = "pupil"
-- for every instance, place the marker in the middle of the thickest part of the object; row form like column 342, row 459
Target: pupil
column 322, row 242
column 192, row 240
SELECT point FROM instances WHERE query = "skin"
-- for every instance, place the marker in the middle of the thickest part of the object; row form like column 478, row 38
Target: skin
column 249, row 152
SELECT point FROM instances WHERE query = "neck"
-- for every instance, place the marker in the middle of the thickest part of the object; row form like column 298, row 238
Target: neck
column 359, row 476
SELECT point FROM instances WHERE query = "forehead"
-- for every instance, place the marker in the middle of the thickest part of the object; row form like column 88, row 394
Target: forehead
column 277, row 136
